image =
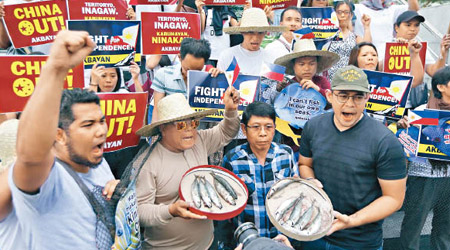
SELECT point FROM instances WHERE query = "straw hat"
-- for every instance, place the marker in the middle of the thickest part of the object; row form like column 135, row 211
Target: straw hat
column 8, row 136
column 172, row 108
column 254, row 20
column 306, row 47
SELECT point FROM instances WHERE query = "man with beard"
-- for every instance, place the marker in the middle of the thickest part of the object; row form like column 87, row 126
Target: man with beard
column 60, row 140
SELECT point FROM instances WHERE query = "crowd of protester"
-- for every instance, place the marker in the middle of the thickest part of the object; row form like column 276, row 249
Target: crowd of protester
column 354, row 158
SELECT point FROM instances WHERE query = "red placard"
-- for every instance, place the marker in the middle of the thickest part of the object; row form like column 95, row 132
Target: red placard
column 152, row 2
column 124, row 114
column 162, row 32
column 225, row 2
column 97, row 10
column 276, row 4
column 35, row 23
column 397, row 59
column 19, row 77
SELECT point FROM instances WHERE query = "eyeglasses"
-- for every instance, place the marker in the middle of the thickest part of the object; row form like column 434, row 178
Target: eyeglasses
column 357, row 99
column 257, row 128
column 340, row 12
column 182, row 125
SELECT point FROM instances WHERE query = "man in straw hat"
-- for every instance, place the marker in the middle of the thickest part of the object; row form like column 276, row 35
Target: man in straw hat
column 358, row 161
column 60, row 136
column 305, row 62
column 10, row 231
column 249, row 54
column 179, row 148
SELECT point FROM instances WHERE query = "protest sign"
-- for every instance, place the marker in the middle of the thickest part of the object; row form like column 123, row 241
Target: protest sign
column 206, row 92
column 322, row 21
column 276, row 4
column 35, row 23
column 117, row 42
column 162, row 32
column 389, row 93
column 434, row 140
column 271, row 76
column 152, row 2
column 97, row 10
column 20, row 75
column 297, row 105
column 409, row 139
column 397, row 58
column 225, row 2
column 124, row 114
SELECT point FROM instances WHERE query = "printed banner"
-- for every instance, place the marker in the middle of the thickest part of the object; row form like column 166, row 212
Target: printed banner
column 124, row 113
column 162, row 32
column 117, row 42
column 397, row 58
column 152, row 2
column 97, row 10
column 276, row 4
column 297, row 105
column 409, row 139
column 225, row 2
column 34, row 23
column 322, row 21
column 19, row 77
column 389, row 93
column 434, row 141
column 206, row 92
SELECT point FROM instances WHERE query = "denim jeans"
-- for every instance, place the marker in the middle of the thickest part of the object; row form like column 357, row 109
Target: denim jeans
column 322, row 244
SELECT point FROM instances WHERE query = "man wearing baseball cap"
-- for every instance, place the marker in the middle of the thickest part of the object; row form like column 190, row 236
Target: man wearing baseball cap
column 358, row 162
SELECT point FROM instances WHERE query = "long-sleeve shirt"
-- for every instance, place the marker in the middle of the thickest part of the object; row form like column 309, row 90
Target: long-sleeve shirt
column 157, row 188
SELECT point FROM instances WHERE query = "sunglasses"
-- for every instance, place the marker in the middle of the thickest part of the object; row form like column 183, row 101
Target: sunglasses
column 182, row 125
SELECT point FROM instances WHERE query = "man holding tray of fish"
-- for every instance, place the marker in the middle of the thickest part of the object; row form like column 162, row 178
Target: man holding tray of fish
column 259, row 163
column 359, row 163
column 167, row 221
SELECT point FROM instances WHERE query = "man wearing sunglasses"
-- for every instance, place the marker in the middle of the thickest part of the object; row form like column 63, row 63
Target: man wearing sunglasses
column 167, row 220
column 259, row 163
column 358, row 162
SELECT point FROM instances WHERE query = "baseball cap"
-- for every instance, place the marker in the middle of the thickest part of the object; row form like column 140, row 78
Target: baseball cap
column 408, row 16
column 350, row 78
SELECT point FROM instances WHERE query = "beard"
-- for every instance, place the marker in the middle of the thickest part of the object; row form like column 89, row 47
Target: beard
column 79, row 159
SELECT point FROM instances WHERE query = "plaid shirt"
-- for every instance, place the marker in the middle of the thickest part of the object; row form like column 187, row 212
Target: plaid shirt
column 259, row 179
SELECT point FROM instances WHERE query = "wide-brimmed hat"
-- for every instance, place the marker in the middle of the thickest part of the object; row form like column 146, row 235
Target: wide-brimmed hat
column 172, row 108
column 8, row 136
column 306, row 47
column 254, row 20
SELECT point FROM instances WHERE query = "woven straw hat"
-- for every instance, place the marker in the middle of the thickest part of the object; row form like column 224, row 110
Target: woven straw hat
column 8, row 136
column 172, row 108
column 254, row 20
column 306, row 47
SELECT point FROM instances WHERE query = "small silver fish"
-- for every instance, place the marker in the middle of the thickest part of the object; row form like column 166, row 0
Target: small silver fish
column 204, row 193
column 211, row 192
column 279, row 186
column 316, row 224
column 195, row 192
column 306, row 217
column 284, row 208
column 223, row 192
column 296, row 212
column 225, row 184
column 315, row 212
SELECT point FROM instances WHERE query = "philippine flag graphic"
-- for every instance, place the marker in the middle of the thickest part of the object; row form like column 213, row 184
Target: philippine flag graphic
column 272, row 71
column 232, row 72
column 423, row 117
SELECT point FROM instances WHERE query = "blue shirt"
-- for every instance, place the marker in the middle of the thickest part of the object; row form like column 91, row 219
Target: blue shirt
column 169, row 80
column 259, row 179
column 60, row 216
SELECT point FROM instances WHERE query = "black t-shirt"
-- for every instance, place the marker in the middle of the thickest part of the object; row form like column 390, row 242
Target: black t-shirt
column 348, row 164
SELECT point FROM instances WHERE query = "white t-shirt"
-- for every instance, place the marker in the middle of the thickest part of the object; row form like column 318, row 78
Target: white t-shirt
column 381, row 24
column 278, row 48
column 218, row 43
column 250, row 62
column 60, row 216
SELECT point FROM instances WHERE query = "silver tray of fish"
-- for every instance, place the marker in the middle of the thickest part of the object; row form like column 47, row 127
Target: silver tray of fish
column 299, row 209
column 213, row 191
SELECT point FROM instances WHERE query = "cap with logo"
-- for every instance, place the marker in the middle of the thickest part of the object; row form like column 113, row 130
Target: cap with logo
column 350, row 78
